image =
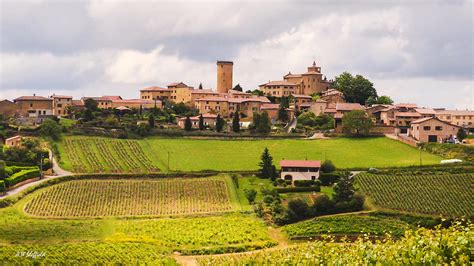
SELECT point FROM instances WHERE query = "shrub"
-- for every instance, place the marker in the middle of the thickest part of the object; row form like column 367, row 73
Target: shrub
column 328, row 179
column 299, row 208
column 22, row 176
column 305, row 183
column 298, row 189
column 3, row 165
column 235, row 180
column 323, row 205
column 250, row 194
column 2, row 186
column 328, row 167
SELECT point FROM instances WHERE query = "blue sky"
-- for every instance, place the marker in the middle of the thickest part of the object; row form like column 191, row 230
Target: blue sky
column 414, row 51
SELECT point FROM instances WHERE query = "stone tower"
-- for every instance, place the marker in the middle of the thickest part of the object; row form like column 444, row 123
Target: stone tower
column 224, row 76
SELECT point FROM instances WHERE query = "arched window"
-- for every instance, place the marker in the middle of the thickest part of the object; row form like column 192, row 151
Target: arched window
column 288, row 177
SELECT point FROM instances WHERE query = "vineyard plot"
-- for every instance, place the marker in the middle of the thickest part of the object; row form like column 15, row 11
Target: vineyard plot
column 96, row 198
column 102, row 155
column 445, row 194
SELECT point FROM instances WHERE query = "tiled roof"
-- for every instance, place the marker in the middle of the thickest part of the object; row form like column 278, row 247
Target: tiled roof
column 204, row 91
column 299, row 163
column 279, row 83
column 301, row 96
column 176, row 84
column 419, row 121
column 406, row 105
column 155, row 88
column 61, row 96
column 348, row 106
column 331, row 92
column 456, row 112
column 407, row 114
column 32, row 98
column 213, row 99
column 425, row 111
column 134, row 101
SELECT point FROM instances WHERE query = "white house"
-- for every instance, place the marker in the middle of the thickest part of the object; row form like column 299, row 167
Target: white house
column 300, row 169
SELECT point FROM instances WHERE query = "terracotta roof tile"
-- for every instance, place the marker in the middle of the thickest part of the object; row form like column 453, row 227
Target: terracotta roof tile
column 299, row 163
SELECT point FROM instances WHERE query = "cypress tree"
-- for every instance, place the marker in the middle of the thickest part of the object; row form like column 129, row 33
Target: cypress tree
column 266, row 165
column 236, row 122
column 187, row 124
column 201, row 122
column 219, row 123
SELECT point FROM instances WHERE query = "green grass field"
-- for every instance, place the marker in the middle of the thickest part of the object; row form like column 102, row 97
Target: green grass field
column 445, row 194
column 93, row 154
column 138, row 197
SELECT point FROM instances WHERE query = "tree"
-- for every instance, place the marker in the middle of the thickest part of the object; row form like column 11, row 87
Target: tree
column 344, row 189
column 50, row 128
column 200, row 86
column 91, row 104
column 266, row 165
column 237, row 88
column 328, row 167
column 236, row 122
column 355, row 89
column 201, row 122
column 356, row 122
column 187, row 124
column 299, row 208
column 151, row 121
column 250, row 194
column 384, row 99
column 283, row 114
column 461, row 134
column 220, row 122
column 323, row 205
column 264, row 124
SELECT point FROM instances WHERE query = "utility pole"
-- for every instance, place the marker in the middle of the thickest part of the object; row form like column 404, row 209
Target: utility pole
column 168, row 161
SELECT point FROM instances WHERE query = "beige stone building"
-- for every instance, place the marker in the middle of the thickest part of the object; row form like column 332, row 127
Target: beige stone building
column 464, row 118
column 432, row 129
column 15, row 141
column 227, row 107
column 137, row 103
column 180, row 92
column 341, row 110
column 209, row 121
column 61, row 104
column 155, row 92
column 299, row 100
column 333, row 96
column 224, row 76
column 279, row 88
column 34, row 106
column 204, row 93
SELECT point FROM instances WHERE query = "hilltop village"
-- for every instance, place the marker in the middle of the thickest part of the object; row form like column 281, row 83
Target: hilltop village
column 298, row 103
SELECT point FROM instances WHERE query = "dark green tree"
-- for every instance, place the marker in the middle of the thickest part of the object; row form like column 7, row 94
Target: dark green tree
column 220, row 122
column 236, row 122
column 264, row 124
column 328, row 167
column 237, row 88
column 344, row 189
column 151, row 121
column 250, row 194
column 200, row 86
column 266, row 164
column 384, row 99
column 356, row 89
column 187, row 124
column 50, row 128
column 255, row 121
column 91, row 104
column 356, row 122
column 461, row 134
column 201, row 122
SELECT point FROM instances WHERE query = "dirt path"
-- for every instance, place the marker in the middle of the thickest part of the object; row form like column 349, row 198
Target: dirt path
column 56, row 168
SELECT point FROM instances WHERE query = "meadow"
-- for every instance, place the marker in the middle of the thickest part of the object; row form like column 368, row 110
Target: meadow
column 94, row 154
column 435, row 194
column 137, row 197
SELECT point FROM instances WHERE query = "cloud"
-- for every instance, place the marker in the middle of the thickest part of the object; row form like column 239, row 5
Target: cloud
column 414, row 50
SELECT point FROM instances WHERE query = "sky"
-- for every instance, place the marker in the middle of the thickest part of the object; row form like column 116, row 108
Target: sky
column 414, row 51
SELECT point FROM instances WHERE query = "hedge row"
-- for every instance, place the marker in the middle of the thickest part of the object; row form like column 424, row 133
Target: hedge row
column 298, row 189
column 22, row 176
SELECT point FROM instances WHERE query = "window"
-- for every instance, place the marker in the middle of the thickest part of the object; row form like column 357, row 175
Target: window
column 313, row 177
column 60, row 105
column 426, row 128
column 438, row 128
column 31, row 105
column 59, row 112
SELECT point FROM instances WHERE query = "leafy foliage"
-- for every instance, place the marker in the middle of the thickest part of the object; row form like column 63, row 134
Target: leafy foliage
column 356, row 122
column 50, row 129
column 356, row 89
column 236, row 122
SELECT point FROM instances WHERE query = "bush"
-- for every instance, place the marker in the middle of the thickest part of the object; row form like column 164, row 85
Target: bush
column 3, row 165
column 235, row 180
column 305, row 183
column 22, row 176
column 2, row 186
column 323, row 205
column 299, row 209
column 328, row 167
column 298, row 189
column 250, row 194
column 328, row 179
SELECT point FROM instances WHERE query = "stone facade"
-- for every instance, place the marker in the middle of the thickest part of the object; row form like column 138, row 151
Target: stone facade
column 224, row 76
column 432, row 129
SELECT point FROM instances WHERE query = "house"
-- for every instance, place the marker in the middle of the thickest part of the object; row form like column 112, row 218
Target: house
column 299, row 170
column 299, row 100
column 204, row 93
column 61, row 104
column 464, row 118
column 404, row 119
column 227, row 107
column 333, row 96
column 34, row 106
column 180, row 92
column 432, row 129
column 272, row 111
column 14, row 141
column 8, row 108
column 278, row 88
column 155, row 93
column 209, row 121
